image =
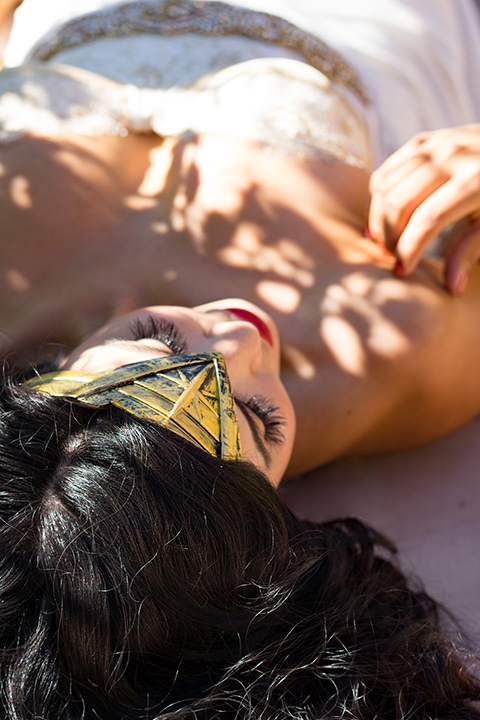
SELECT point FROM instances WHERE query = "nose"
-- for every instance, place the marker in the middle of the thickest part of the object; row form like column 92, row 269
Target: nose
column 240, row 344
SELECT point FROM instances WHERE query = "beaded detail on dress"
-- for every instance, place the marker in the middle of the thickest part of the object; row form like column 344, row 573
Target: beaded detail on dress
column 172, row 84
column 278, row 102
column 177, row 17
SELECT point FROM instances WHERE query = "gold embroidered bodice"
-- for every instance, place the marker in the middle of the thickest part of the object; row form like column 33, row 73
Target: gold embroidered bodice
column 171, row 67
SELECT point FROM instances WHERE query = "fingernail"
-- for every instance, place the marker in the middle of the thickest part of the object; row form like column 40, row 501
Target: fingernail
column 461, row 283
column 398, row 268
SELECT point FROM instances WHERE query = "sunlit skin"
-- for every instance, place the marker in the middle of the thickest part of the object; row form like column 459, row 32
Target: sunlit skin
column 111, row 231
column 372, row 363
column 253, row 366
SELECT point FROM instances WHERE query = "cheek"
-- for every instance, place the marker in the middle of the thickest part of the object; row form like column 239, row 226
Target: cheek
column 250, row 451
column 285, row 406
column 281, row 454
column 280, row 460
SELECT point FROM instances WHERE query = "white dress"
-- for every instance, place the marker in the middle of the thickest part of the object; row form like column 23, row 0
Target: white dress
column 167, row 66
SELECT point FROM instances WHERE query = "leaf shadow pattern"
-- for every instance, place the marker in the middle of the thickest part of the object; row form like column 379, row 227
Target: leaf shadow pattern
column 213, row 230
column 248, row 242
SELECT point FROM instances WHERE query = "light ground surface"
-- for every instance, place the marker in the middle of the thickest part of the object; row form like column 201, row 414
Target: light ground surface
column 427, row 501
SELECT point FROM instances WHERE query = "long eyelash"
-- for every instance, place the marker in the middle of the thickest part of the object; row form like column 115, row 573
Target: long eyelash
column 270, row 415
column 160, row 329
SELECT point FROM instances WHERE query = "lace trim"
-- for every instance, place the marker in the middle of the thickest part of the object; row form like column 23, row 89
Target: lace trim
column 177, row 17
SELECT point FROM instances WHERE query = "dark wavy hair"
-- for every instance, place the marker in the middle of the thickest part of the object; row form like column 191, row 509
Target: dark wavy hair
column 142, row 578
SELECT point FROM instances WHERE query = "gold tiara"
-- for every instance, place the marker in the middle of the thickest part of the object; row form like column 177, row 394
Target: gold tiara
column 188, row 394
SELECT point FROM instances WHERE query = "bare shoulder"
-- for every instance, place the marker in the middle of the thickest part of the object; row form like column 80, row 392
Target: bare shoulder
column 440, row 391
column 373, row 363
column 397, row 363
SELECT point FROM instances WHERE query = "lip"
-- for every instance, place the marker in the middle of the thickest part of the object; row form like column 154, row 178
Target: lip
column 253, row 319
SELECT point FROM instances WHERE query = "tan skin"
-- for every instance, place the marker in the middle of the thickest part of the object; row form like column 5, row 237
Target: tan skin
column 371, row 362
column 425, row 499
column 429, row 183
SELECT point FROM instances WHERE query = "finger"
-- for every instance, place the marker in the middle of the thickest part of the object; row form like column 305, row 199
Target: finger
column 384, row 179
column 381, row 185
column 461, row 257
column 410, row 150
column 393, row 211
column 439, row 210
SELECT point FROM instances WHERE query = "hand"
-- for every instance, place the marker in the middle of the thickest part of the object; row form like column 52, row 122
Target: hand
column 428, row 184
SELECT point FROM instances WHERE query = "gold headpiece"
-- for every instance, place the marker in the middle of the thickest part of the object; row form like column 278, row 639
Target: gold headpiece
column 188, row 394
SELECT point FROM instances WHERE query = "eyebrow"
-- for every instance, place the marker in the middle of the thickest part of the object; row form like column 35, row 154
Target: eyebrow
column 257, row 438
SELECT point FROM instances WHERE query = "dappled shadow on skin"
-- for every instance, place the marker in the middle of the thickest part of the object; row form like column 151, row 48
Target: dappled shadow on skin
column 261, row 240
column 51, row 270
column 350, row 331
column 250, row 243
column 215, row 226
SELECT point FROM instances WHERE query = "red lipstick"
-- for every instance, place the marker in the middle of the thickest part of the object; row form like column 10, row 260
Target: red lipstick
column 254, row 320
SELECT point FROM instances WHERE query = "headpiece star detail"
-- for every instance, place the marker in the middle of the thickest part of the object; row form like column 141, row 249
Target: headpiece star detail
column 188, row 394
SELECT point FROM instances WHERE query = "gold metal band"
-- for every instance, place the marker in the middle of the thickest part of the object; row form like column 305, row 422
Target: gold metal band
column 188, row 394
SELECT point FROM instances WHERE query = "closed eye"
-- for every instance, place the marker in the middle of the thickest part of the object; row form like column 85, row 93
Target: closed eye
column 253, row 412
column 269, row 415
column 160, row 329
